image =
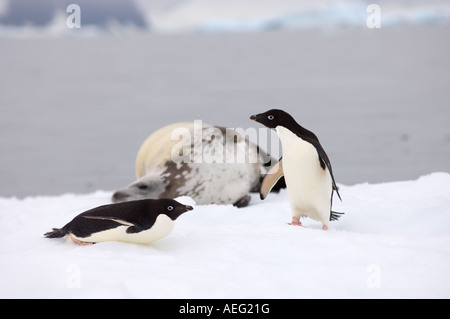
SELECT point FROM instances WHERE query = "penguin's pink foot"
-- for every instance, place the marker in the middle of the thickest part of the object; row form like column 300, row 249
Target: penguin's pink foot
column 83, row 243
column 79, row 242
column 295, row 221
column 324, row 227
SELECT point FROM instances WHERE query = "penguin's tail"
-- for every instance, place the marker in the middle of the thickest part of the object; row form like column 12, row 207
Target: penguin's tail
column 335, row 215
column 56, row 233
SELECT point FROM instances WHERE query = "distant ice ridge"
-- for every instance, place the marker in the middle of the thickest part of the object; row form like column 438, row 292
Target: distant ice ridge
column 331, row 16
column 141, row 16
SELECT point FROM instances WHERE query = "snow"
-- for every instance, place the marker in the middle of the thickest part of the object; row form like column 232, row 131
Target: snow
column 393, row 242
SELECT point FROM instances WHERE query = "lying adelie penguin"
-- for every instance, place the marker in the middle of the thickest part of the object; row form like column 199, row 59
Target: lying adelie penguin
column 305, row 166
column 140, row 222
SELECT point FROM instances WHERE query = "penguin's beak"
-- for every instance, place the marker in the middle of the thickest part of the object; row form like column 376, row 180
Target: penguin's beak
column 253, row 117
column 189, row 207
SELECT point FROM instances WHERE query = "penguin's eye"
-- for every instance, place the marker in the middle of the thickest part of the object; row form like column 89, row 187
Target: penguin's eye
column 270, row 117
column 169, row 208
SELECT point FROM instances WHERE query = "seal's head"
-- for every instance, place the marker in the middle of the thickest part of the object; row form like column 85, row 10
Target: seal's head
column 150, row 186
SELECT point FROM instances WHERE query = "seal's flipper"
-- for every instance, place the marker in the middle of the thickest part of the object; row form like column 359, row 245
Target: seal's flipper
column 272, row 177
column 242, row 202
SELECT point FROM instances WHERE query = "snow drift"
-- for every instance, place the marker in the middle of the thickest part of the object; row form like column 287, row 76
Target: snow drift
column 393, row 242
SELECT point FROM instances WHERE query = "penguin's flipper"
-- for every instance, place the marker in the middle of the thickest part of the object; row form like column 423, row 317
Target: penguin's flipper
column 115, row 219
column 134, row 228
column 271, row 178
column 325, row 163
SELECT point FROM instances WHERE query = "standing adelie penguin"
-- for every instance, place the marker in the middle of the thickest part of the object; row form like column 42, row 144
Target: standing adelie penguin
column 140, row 222
column 306, row 169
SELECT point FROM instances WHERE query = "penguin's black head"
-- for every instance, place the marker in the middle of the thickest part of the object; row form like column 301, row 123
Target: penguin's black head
column 273, row 118
column 172, row 208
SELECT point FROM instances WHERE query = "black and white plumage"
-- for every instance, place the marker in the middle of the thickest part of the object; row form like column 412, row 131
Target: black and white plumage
column 141, row 222
column 305, row 167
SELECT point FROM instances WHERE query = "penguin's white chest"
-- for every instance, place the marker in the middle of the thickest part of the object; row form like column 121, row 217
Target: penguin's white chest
column 309, row 186
column 162, row 227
